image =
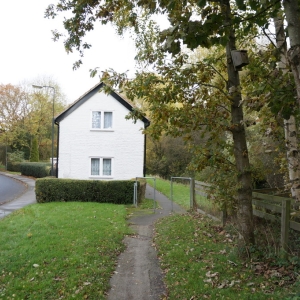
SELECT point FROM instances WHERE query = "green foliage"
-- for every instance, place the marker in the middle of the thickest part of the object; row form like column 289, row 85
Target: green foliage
column 26, row 113
column 67, row 190
column 14, row 160
column 185, row 95
column 207, row 31
column 60, row 250
column 14, row 166
column 148, row 204
column 34, row 155
column 16, row 156
column 167, row 157
column 35, row 169
column 276, row 90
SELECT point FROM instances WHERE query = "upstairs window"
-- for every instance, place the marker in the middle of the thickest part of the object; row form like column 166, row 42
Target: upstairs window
column 96, row 119
column 102, row 120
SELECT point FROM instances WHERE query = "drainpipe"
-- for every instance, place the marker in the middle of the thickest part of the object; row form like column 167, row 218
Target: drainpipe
column 57, row 150
column 147, row 124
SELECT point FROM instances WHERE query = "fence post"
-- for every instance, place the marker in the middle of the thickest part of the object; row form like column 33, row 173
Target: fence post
column 135, row 194
column 171, row 194
column 224, row 216
column 285, row 224
column 192, row 194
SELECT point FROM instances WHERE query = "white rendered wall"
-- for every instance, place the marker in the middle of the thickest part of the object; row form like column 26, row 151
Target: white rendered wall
column 78, row 143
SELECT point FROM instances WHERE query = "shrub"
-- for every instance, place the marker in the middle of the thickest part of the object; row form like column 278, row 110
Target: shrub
column 14, row 166
column 16, row 156
column 14, row 161
column 67, row 190
column 35, row 169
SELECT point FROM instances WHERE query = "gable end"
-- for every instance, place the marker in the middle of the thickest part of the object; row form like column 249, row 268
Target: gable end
column 90, row 94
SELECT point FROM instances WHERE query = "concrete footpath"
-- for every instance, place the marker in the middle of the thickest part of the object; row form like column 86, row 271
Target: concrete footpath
column 28, row 197
column 138, row 275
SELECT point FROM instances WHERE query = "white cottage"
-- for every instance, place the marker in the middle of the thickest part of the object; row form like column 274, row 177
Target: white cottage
column 95, row 141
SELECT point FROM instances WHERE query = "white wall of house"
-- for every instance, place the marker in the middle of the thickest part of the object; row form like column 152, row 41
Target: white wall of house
column 79, row 143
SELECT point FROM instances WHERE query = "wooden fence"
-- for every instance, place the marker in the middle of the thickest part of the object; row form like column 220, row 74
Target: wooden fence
column 270, row 207
column 276, row 208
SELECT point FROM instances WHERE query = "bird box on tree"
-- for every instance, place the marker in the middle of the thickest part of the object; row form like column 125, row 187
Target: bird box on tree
column 239, row 59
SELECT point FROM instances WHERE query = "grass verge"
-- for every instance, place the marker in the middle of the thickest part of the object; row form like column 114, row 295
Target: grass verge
column 199, row 261
column 60, row 250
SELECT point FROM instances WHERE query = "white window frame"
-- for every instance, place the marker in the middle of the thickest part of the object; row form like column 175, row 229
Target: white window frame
column 100, row 175
column 102, row 112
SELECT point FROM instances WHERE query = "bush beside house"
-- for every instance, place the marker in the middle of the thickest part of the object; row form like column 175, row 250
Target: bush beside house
column 67, row 190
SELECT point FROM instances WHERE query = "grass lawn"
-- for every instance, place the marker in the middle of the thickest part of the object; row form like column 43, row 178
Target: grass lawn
column 60, row 250
column 199, row 262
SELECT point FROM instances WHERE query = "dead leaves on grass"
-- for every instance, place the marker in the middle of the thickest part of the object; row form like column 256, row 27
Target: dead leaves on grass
column 284, row 275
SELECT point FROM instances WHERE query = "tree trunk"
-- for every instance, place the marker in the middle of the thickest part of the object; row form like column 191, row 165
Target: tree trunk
column 290, row 128
column 244, row 178
column 292, row 12
column 290, row 131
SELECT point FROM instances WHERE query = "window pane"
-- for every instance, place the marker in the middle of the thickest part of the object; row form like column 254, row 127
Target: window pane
column 96, row 119
column 95, row 166
column 108, row 120
column 106, row 166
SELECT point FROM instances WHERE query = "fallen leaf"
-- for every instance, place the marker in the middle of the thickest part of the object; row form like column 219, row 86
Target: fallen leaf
column 222, row 285
column 231, row 284
column 211, row 275
column 232, row 263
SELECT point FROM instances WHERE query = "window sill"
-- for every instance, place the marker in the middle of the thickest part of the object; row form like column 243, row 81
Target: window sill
column 106, row 130
column 100, row 177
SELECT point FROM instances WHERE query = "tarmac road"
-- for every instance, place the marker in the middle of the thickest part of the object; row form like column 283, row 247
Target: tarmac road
column 10, row 189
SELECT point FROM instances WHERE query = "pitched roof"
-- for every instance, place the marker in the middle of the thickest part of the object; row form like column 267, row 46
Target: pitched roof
column 90, row 94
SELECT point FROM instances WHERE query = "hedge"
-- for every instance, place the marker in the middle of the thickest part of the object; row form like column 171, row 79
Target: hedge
column 35, row 169
column 14, row 166
column 67, row 190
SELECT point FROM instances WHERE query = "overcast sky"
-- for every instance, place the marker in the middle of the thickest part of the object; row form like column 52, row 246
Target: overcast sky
column 27, row 50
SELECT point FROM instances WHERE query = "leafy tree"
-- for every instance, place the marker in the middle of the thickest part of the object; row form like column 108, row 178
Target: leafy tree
column 39, row 121
column 168, row 156
column 290, row 126
column 13, row 109
column 26, row 114
column 180, row 95
column 273, row 97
